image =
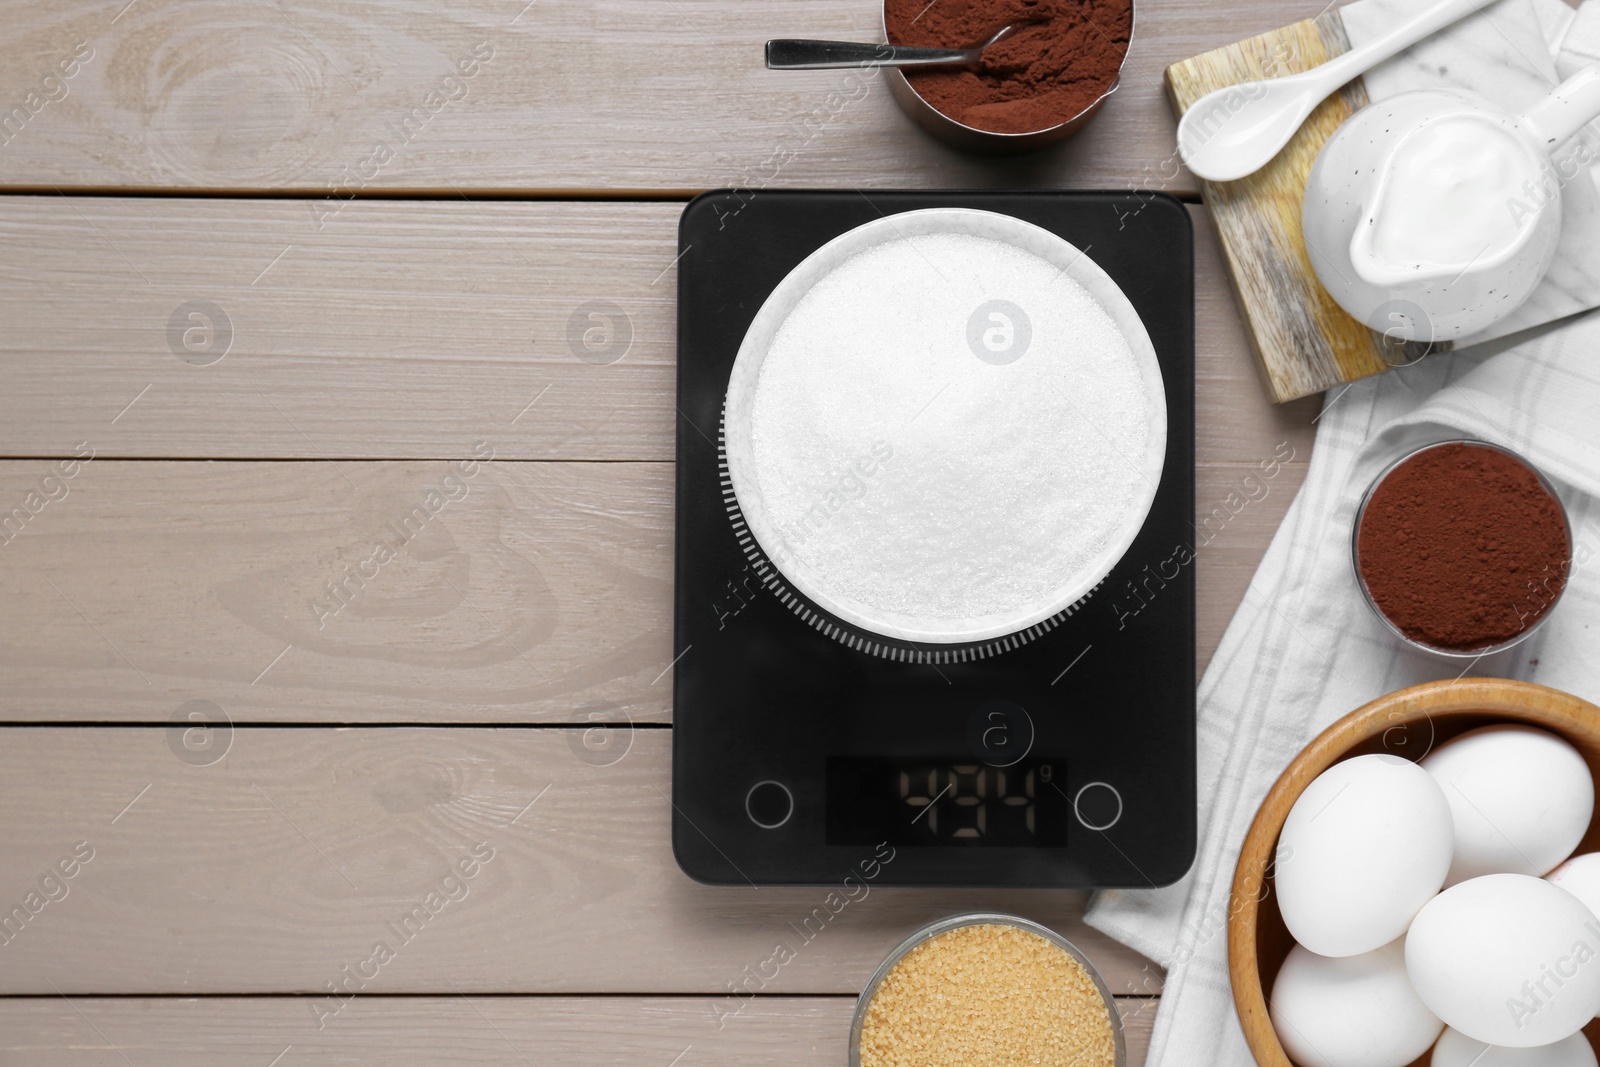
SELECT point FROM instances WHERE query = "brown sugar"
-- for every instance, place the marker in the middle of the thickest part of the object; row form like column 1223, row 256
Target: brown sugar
column 991, row 994
column 1462, row 547
column 1040, row 76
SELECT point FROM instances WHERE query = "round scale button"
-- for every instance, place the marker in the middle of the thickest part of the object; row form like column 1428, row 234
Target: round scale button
column 1098, row 806
column 769, row 804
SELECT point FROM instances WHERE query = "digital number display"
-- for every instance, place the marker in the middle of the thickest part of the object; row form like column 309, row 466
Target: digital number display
column 958, row 803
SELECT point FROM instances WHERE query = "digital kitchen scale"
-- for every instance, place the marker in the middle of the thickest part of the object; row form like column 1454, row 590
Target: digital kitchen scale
column 803, row 749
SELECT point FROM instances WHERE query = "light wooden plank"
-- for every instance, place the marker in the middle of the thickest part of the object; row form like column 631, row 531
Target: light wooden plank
column 446, row 1031
column 274, row 868
column 615, row 94
column 1238, row 513
column 541, row 593
column 401, row 330
column 460, row 591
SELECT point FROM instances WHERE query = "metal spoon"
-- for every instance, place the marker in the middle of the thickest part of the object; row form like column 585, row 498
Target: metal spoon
column 1236, row 130
column 790, row 54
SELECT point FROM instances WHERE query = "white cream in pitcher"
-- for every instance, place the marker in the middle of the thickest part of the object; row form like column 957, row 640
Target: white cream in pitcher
column 1446, row 200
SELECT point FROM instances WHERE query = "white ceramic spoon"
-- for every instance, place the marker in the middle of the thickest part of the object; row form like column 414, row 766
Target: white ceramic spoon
column 1236, row 130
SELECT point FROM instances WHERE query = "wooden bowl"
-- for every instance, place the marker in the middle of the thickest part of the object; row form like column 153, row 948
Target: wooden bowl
column 1409, row 723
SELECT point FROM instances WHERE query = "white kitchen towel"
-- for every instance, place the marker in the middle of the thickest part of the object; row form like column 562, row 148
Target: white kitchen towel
column 1304, row 649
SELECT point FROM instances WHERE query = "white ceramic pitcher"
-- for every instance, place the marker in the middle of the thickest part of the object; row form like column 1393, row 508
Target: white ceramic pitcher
column 1434, row 214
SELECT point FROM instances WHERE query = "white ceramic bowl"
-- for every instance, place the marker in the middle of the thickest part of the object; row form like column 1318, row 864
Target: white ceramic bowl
column 740, row 403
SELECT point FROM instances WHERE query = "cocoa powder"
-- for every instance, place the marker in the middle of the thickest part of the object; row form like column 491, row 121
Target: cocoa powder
column 1039, row 77
column 1462, row 547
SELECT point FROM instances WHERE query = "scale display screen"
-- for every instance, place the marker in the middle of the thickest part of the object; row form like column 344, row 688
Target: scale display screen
column 955, row 803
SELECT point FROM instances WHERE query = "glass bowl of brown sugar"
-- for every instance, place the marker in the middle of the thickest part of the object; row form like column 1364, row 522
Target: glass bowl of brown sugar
column 989, row 989
column 1038, row 86
column 1462, row 548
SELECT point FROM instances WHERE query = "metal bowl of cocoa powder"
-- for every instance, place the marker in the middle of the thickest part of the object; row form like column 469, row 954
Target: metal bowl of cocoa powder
column 1036, row 87
column 1462, row 548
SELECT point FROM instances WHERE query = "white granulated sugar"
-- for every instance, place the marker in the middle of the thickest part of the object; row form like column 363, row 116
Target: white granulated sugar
column 914, row 478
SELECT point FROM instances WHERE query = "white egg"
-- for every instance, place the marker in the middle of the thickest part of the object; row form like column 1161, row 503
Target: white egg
column 1507, row 959
column 1350, row 1011
column 1521, row 800
column 1365, row 846
column 1456, row 1049
column 1580, row 876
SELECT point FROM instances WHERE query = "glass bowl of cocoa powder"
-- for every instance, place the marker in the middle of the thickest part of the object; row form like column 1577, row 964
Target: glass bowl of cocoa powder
column 1036, row 87
column 1462, row 548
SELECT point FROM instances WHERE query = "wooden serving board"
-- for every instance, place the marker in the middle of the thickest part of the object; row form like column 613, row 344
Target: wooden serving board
column 1303, row 341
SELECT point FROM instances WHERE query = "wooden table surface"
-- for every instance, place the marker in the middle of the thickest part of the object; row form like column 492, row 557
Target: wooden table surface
column 386, row 212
